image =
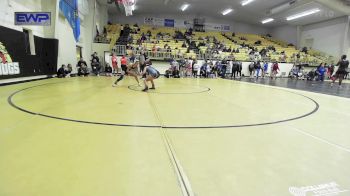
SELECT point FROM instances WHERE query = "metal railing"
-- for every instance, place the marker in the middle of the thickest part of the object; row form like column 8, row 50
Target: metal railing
column 159, row 55
column 119, row 50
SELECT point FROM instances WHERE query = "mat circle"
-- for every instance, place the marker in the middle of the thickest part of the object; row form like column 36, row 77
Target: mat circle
column 10, row 101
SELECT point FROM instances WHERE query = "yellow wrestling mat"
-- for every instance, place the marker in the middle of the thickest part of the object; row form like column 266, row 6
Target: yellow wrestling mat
column 202, row 137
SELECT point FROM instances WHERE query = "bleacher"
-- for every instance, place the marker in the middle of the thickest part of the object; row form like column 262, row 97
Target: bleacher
column 165, row 46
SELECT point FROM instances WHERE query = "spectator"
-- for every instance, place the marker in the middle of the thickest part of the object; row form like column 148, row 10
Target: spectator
column 330, row 71
column 264, row 69
column 81, row 63
column 94, row 56
column 83, row 70
column 195, row 68
column 257, row 67
column 114, row 64
column 61, row 72
column 123, row 61
column 274, row 70
column 108, row 70
column 321, row 70
column 96, row 67
column 69, row 70
column 142, row 59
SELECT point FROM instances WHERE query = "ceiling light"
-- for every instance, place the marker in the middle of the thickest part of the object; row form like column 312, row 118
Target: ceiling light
column 267, row 20
column 184, row 6
column 302, row 14
column 246, row 2
column 227, row 11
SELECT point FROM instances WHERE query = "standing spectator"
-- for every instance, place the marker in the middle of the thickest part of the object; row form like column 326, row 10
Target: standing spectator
column 124, row 62
column 257, row 69
column 142, row 60
column 251, row 69
column 195, row 68
column 330, row 71
column 264, row 69
column 115, row 64
column 132, row 57
column 274, row 70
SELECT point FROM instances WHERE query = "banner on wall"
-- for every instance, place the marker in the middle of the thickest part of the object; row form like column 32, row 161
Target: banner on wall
column 158, row 22
column 7, row 67
column 16, row 59
column 169, row 22
column 69, row 8
column 217, row 27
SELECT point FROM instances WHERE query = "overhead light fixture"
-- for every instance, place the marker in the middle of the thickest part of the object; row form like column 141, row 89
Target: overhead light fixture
column 302, row 14
column 267, row 20
column 227, row 11
column 246, row 2
column 184, row 6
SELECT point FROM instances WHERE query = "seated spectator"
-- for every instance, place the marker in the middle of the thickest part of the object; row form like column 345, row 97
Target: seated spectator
column 321, row 70
column 96, row 67
column 81, row 63
column 108, row 70
column 283, row 57
column 149, row 34
column 304, row 50
column 83, row 70
column 173, row 71
column 69, row 70
column 61, row 72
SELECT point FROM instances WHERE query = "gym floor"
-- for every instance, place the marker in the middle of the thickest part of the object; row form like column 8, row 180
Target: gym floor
column 203, row 137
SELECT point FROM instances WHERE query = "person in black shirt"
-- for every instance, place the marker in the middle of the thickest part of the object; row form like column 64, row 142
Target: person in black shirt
column 61, row 72
column 96, row 67
column 82, row 68
column 108, row 70
column 95, row 57
column 81, row 63
column 68, row 70
column 342, row 70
